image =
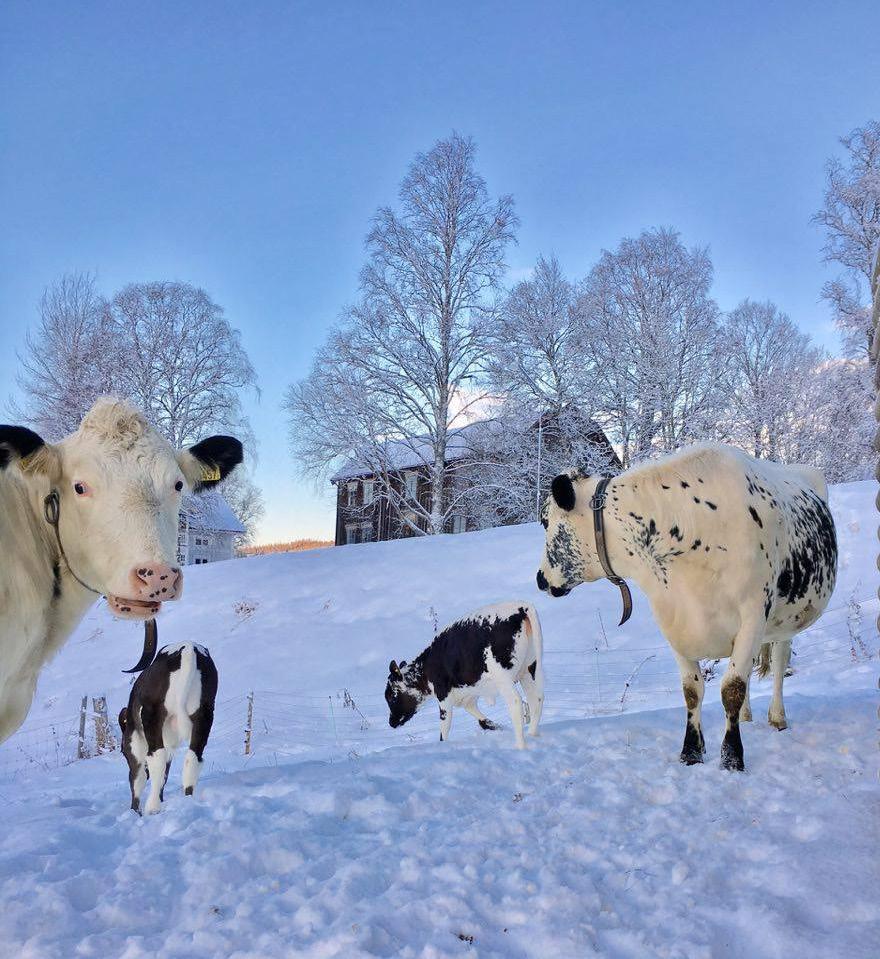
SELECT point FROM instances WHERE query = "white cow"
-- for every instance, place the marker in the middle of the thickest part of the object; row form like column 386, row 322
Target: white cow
column 732, row 553
column 96, row 513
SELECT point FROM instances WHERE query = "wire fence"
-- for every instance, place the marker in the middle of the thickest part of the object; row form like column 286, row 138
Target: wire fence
column 268, row 726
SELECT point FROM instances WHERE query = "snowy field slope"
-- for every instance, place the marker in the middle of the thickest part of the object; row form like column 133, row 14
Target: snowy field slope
column 593, row 842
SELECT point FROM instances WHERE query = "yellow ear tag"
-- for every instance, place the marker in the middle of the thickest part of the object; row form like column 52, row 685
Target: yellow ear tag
column 210, row 474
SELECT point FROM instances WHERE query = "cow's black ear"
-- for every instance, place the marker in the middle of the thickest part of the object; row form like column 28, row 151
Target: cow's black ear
column 218, row 456
column 562, row 489
column 17, row 442
column 123, row 717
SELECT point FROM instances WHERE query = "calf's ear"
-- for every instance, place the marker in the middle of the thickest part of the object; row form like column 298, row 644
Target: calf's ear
column 123, row 717
column 210, row 461
column 31, row 451
column 394, row 670
column 562, row 489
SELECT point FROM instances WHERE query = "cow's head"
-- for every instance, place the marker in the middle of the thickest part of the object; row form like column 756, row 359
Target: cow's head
column 119, row 486
column 570, row 550
column 402, row 693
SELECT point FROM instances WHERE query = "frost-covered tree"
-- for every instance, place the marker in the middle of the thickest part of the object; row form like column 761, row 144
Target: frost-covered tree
column 180, row 360
column 831, row 422
column 165, row 346
column 539, row 366
column 399, row 364
column 652, row 332
column 851, row 218
column 68, row 358
column 770, row 362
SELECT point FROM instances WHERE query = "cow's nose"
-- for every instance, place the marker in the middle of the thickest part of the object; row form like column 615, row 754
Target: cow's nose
column 156, row 582
column 541, row 580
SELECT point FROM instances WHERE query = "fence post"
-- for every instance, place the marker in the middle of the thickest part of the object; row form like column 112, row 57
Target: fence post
column 81, row 742
column 249, row 727
column 104, row 738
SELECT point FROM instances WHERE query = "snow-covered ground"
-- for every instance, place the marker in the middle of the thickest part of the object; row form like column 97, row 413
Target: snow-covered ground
column 324, row 843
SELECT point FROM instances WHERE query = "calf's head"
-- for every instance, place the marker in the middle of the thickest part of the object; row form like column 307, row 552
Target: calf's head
column 570, row 556
column 403, row 695
column 119, row 487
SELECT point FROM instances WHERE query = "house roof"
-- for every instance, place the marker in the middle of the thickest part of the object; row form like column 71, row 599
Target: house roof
column 463, row 441
column 412, row 453
column 210, row 511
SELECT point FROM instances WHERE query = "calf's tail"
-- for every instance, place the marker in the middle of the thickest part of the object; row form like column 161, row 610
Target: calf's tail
column 762, row 662
column 533, row 628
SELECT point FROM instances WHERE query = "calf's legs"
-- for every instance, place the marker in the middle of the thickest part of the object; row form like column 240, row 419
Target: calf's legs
column 514, row 704
column 445, row 720
column 533, row 687
column 202, row 720
column 484, row 721
column 693, row 687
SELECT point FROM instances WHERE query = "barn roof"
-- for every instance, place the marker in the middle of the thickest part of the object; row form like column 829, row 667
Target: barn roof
column 210, row 511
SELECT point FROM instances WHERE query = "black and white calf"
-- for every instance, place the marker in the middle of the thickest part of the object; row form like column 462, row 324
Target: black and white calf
column 483, row 655
column 171, row 701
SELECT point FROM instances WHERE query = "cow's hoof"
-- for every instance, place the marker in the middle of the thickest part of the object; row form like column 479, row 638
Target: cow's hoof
column 152, row 810
column 691, row 758
column 488, row 724
column 730, row 760
column 779, row 724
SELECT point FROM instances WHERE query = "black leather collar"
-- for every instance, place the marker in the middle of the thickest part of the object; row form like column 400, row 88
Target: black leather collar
column 597, row 505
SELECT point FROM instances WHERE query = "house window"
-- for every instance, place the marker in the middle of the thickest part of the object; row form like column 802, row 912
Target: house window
column 368, row 492
column 352, row 531
column 352, row 493
column 412, row 485
column 458, row 524
column 366, row 532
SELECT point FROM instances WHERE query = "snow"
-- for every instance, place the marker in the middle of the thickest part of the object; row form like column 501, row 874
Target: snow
column 324, row 842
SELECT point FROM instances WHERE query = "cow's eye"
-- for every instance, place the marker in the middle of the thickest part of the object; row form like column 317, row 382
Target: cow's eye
column 80, row 489
column 178, row 485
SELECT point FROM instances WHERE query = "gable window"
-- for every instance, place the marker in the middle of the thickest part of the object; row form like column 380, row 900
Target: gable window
column 368, row 492
column 352, row 493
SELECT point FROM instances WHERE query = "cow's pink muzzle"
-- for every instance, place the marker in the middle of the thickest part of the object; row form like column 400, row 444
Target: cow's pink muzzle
column 151, row 584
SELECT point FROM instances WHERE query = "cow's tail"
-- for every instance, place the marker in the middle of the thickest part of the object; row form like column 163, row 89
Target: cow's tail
column 762, row 661
column 533, row 629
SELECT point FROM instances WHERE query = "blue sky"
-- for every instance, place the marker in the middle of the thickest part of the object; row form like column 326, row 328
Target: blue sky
column 244, row 147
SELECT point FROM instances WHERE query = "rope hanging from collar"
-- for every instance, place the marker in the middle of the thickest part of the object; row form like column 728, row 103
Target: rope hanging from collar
column 597, row 505
column 52, row 512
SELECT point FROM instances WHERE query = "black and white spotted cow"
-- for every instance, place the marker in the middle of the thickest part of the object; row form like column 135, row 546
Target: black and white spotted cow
column 733, row 553
column 482, row 655
column 172, row 701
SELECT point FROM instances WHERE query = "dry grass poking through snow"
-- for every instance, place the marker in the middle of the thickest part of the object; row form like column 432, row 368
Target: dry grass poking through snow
column 294, row 546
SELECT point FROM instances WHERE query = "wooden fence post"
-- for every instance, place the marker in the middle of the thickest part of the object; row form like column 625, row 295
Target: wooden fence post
column 81, row 742
column 249, row 727
column 104, row 738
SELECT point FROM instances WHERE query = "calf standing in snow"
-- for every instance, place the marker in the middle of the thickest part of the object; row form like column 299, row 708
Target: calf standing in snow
column 171, row 701
column 484, row 654
column 733, row 553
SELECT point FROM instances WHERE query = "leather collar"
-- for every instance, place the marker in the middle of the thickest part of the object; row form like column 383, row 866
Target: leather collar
column 597, row 505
